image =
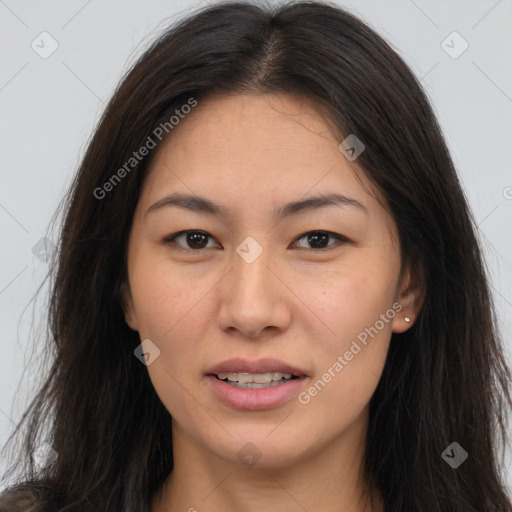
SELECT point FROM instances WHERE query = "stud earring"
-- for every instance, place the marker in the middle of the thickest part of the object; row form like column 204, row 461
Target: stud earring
column 407, row 319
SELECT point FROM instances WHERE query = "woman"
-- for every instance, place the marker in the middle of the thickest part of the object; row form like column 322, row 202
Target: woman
column 269, row 293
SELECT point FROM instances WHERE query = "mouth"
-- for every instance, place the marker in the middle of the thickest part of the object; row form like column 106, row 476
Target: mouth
column 255, row 385
column 246, row 380
column 264, row 372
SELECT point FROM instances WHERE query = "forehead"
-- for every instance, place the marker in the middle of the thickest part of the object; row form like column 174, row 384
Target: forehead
column 276, row 127
column 255, row 149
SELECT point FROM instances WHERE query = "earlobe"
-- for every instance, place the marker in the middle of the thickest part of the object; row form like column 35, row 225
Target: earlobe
column 411, row 298
column 127, row 303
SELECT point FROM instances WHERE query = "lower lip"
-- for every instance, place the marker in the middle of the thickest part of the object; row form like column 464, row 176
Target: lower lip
column 256, row 399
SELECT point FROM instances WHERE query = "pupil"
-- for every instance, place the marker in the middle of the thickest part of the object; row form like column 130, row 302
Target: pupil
column 319, row 236
column 196, row 241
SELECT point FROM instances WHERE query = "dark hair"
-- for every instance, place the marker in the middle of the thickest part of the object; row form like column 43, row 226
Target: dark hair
column 445, row 379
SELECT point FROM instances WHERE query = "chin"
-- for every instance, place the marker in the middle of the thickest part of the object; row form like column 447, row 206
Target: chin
column 261, row 450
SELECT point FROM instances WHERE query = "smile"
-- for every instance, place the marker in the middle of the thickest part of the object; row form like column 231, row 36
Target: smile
column 255, row 380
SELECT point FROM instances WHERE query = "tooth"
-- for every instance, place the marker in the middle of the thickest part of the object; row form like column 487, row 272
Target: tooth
column 279, row 375
column 259, row 378
column 262, row 378
column 254, row 385
column 244, row 378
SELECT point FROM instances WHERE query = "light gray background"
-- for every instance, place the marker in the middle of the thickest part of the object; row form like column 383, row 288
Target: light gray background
column 49, row 107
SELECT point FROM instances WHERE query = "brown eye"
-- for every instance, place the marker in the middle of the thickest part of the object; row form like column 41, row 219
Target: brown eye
column 193, row 240
column 320, row 239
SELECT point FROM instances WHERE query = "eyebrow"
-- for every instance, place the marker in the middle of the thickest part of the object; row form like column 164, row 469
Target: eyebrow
column 200, row 204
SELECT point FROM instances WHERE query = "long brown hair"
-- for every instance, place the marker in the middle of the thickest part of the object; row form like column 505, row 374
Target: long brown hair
column 445, row 379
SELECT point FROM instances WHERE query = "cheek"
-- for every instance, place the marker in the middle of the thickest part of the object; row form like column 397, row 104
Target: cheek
column 163, row 297
column 356, row 305
column 174, row 310
column 350, row 300
column 171, row 313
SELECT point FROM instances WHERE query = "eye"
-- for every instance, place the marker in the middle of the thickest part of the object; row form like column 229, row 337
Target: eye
column 196, row 240
column 319, row 239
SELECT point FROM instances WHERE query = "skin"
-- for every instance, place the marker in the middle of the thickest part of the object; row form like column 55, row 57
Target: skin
column 297, row 302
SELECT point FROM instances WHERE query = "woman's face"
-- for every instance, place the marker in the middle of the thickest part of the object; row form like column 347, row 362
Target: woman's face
column 255, row 293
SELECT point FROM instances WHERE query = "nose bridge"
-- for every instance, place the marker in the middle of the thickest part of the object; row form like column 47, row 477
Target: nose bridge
column 250, row 266
column 250, row 302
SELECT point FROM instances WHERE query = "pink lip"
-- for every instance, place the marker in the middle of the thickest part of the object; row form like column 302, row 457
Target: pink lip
column 256, row 399
column 261, row 366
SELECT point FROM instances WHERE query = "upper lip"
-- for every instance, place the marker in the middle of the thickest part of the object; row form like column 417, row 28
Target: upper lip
column 260, row 366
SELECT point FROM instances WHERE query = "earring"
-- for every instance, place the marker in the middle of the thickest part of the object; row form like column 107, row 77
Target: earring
column 407, row 319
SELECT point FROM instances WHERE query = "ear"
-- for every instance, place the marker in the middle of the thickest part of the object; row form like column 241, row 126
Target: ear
column 411, row 295
column 128, row 308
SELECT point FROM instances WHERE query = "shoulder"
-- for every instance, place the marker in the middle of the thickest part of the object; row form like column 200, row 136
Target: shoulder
column 21, row 498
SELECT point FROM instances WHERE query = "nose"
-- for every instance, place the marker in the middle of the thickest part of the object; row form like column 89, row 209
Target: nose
column 254, row 298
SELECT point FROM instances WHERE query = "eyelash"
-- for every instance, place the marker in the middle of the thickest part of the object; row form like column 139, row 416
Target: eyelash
column 170, row 239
